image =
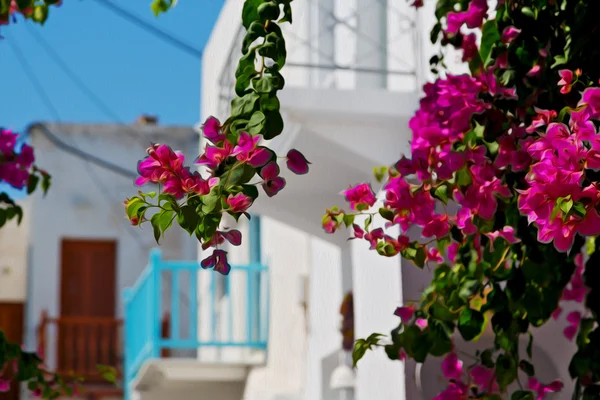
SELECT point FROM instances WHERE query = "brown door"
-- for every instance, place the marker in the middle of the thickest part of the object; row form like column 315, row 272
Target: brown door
column 11, row 323
column 87, row 328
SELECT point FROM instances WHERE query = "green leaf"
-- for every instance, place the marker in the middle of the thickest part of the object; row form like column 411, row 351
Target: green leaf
column 463, row 177
column 250, row 12
column 362, row 345
column 2, row 217
column 268, row 11
column 269, row 103
column 188, row 218
column 244, row 106
column 161, row 6
column 161, row 221
column 273, row 125
column 470, row 323
column 487, row 358
column 468, row 289
column 40, row 13
column 566, row 206
column 24, row 4
column 210, row 201
column 46, row 182
column 528, row 12
column 506, row 370
column 530, row 345
column 386, row 213
column 255, row 31
column 489, row 37
column 360, row 348
column 256, row 123
column 527, row 367
column 208, row 226
column 441, row 193
column 522, row 395
column 287, row 11
column 32, row 183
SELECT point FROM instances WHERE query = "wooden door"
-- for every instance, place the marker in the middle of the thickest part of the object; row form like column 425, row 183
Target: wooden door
column 87, row 328
column 11, row 323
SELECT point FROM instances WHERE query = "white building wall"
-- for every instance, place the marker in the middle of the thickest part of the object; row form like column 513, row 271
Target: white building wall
column 86, row 202
column 14, row 242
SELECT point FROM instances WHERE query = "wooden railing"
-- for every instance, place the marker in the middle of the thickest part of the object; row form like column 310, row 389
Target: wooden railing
column 83, row 343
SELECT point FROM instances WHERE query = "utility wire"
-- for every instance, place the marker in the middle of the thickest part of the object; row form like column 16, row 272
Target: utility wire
column 89, row 93
column 31, row 75
column 37, row 85
column 134, row 19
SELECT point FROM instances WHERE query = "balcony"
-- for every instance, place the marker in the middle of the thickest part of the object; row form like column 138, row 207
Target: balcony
column 210, row 339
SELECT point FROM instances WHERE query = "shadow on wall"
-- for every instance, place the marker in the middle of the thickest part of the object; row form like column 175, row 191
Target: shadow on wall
column 328, row 364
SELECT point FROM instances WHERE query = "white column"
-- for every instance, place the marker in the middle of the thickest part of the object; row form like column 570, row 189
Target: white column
column 371, row 43
column 377, row 291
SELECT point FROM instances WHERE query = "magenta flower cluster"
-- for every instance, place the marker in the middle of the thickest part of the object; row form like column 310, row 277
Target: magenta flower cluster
column 221, row 158
column 15, row 167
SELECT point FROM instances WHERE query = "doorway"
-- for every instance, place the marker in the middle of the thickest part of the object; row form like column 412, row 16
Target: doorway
column 87, row 327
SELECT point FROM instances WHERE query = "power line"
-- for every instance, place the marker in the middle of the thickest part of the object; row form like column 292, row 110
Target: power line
column 37, row 85
column 81, row 154
column 46, row 99
column 191, row 50
column 86, row 90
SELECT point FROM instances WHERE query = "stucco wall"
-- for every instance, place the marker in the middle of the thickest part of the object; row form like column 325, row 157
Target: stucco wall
column 86, row 202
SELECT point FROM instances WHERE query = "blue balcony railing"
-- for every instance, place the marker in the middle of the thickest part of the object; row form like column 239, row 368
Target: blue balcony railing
column 231, row 311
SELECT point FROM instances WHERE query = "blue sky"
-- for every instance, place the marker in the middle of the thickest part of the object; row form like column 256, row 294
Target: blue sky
column 128, row 68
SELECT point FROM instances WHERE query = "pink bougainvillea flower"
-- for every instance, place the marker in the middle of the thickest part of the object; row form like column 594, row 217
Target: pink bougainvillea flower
column 272, row 182
column 484, row 378
column 247, row 150
column 373, row 236
column 543, row 118
column 233, row 236
column 401, row 355
column 542, row 390
column 405, row 313
column 573, row 318
column 453, row 251
column 454, row 391
column 557, row 312
column 296, row 162
column 238, row 202
column 452, row 367
column 509, row 34
column 507, row 233
column 421, row 323
column 359, row 233
column 566, row 80
column 535, row 71
column 218, row 261
column 438, row 226
column 161, row 164
column 469, row 47
column 576, row 289
column 434, row 255
column 360, row 197
column 212, row 130
column 4, row 385
column 214, row 156
column 473, row 17
column 591, row 97
column 329, row 221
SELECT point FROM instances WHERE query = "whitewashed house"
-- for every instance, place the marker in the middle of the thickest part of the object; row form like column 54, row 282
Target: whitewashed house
column 270, row 331
column 64, row 268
